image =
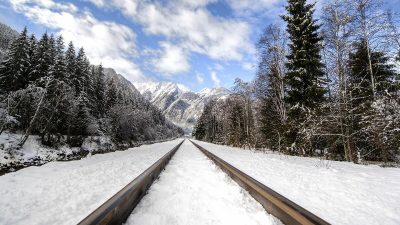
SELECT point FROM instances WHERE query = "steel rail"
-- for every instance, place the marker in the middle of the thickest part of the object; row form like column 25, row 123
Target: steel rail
column 117, row 209
column 274, row 203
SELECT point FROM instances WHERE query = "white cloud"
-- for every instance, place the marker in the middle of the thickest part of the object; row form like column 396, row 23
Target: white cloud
column 105, row 42
column 245, row 7
column 199, row 78
column 248, row 66
column 173, row 60
column 189, row 24
column 99, row 3
column 215, row 79
column 197, row 30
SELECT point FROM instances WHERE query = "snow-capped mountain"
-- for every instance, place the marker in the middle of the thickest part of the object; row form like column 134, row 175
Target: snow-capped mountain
column 180, row 105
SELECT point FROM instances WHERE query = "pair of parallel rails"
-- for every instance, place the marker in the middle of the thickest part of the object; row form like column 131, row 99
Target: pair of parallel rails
column 117, row 209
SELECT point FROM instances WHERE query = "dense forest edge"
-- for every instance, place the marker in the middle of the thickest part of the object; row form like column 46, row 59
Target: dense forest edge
column 53, row 99
column 326, row 87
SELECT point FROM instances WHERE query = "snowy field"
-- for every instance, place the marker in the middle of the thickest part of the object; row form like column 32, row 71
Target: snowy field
column 192, row 190
column 66, row 192
column 339, row 192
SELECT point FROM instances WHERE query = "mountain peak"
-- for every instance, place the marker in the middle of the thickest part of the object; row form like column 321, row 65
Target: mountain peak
column 180, row 105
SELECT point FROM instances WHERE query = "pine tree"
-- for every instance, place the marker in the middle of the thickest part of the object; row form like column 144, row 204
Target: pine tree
column 305, row 70
column 199, row 131
column 70, row 64
column 100, row 89
column 44, row 57
column 59, row 69
column 32, row 57
column 15, row 68
column 81, row 116
column 384, row 75
column 81, row 79
column 362, row 94
column 52, row 53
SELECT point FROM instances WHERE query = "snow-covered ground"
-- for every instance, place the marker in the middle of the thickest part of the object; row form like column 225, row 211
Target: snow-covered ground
column 34, row 153
column 192, row 190
column 66, row 192
column 339, row 192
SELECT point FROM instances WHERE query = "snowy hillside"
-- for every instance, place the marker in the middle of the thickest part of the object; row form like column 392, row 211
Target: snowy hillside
column 126, row 87
column 7, row 34
column 180, row 105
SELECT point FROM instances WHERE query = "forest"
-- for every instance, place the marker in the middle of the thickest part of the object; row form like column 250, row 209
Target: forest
column 325, row 86
column 52, row 91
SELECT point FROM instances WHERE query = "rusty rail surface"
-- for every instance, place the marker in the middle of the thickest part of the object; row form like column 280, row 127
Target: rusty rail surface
column 117, row 209
column 274, row 203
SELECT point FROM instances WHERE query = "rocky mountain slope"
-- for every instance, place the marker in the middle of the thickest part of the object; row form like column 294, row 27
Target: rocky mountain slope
column 7, row 34
column 180, row 105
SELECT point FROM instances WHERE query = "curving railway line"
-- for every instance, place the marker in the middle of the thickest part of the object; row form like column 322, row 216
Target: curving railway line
column 118, row 208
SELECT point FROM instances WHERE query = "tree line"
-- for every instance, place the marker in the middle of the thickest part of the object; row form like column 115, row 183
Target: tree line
column 323, row 87
column 56, row 93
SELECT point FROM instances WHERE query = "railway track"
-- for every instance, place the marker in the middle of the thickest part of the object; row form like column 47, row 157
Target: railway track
column 274, row 203
column 118, row 208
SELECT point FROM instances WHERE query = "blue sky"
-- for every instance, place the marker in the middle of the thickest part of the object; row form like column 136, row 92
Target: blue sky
column 198, row 43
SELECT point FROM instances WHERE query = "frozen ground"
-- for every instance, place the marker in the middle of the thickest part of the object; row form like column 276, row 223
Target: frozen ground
column 339, row 192
column 192, row 190
column 66, row 192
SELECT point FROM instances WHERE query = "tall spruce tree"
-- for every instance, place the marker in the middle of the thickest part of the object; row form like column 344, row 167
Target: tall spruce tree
column 99, row 89
column 15, row 68
column 32, row 57
column 70, row 64
column 59, row 69
column 44, row 57
column 81, row 80
column 305, row 70
column 304, row 78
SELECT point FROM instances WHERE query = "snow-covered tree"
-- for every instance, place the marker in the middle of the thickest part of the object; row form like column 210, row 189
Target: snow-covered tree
column 15, row 68
column 270, row 86
column 305, row 77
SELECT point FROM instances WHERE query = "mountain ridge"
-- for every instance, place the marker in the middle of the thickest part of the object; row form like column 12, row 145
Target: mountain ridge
column 180, row 105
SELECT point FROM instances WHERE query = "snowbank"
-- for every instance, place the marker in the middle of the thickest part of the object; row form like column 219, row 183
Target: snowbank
column 339, row 192
column 33, row 153
column 66, row 192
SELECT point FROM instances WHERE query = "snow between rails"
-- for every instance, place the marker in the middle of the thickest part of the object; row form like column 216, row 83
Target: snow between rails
column 192, row 190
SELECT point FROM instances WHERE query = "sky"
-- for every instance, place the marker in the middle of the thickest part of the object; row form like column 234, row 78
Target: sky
column 197, row 43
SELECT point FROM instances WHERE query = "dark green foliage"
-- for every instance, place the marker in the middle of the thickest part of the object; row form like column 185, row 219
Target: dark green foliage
column 44, row 59
column 223, row 122
column 70, row 64
column 304, row 78
column 59, row 68
column 360, row 79
column 100, row 90
column 15, row 68
column 363, row 99
column 305, row 73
